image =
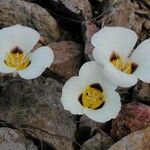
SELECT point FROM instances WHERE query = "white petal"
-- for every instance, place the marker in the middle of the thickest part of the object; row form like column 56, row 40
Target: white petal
column 40, row 60
column 70, row 95
column 31, row 72
column 119, row 78
column 143, row 73
column 118, row 39
column 141, row 56
column 109, row 111
column 42, row 57
column 18, row 36
column 92, row 73
column 4, row 68
column 100, row 57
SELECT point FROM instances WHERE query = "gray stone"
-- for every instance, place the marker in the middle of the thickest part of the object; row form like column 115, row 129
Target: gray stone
column 29, row 14
column 143, row 92
column 124, row 14
column 73, row 8
column 34, row 106
column 87, row 122
column 11, row 139
column 100, row 141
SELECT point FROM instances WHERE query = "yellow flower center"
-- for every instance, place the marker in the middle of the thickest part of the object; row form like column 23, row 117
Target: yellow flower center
column 17, row 59
column 126, row 67
column 92, row 97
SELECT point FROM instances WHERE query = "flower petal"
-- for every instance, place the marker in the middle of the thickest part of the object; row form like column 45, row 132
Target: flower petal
column 40, row 60
column 143, row 73
column 18, row 36
column 42, row 57
column 118, row 39
column 92, row 73
column 100, row 57
column 141, row 56
column 119, row 78
column 109, row 111
column 70, row 95
column 31, row 72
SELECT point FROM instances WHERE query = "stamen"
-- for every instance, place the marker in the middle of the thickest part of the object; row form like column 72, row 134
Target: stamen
column 92, row 97
column 17, row 59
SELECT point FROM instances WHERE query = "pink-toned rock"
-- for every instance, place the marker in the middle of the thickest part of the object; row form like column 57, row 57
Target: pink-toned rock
column 68, row 55
column 132, row 117
column 138, row 140
column 91, row 28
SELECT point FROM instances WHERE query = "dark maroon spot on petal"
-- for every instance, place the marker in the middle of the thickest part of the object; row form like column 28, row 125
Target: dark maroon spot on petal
column 114, row 56
column 80, row 99
column 29, row 63
column 133, row 67
column 100, row 106
column 16, row 50
column 97, row 86
column 5, row 62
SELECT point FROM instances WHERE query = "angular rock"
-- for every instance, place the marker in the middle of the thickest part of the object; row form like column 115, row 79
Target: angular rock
column 100, row 141
column 147, row 25
column 32, row 1
column 72, row 8
column 128, row 14
column 138, row 140
column 34, row 107
column 94, row 126
column 132, row 117
column 14, row 140
column 123, row 14
column 29, row 14
column 68, row 56
column 86, row 122
column 91, row 28
column 146, row 3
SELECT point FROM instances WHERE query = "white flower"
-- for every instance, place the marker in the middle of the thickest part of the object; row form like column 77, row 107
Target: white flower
column 16, row 43
column 113, row 46
column 92, row 94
